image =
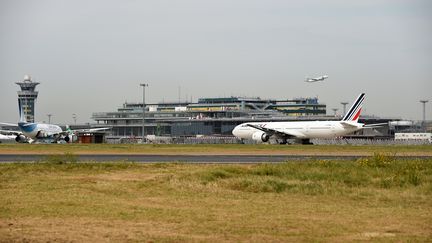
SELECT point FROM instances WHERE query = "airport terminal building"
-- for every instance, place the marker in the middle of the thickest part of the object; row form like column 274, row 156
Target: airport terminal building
column 208, row 116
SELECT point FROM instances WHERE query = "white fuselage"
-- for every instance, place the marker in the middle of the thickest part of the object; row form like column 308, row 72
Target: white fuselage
column 39, row 130
column 311, row 80
column 299, row 130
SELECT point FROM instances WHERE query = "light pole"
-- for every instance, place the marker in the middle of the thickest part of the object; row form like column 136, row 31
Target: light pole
column 143, row 112
column 74, row 116
column 344, row 107
column 335, row 110
column 424, row 112
column 49, row 118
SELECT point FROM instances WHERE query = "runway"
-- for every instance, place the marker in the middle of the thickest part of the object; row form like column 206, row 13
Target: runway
column 146, row 158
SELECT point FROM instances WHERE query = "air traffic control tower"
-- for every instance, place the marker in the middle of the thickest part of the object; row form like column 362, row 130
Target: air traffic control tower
column 27, row 97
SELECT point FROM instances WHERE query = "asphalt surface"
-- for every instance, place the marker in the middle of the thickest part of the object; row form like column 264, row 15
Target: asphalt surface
column 185, row 158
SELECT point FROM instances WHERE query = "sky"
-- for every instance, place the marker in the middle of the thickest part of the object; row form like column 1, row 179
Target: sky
column 91, row 56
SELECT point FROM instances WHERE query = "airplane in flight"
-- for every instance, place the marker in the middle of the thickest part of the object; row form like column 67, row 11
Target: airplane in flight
column 313, row 80
column 303, row 131
column 31, row 132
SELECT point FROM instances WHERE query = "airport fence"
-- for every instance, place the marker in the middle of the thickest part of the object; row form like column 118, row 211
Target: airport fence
column 178, row 140
column 208, row 140
column 359, row 141
column 233, row 140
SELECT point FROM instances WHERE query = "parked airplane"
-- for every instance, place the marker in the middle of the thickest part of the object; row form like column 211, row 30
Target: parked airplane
column 31, row 132
column 303, row 131
column 312, row 80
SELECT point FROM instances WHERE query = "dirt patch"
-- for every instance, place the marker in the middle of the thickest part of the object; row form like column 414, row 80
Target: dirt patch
column 86, row 230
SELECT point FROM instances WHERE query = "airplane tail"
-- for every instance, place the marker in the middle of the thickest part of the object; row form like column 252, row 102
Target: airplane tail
column 353, row 113
column 21, row 112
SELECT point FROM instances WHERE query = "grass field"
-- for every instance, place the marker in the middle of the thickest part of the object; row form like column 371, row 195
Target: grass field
column 214, row 149
column 377, row 198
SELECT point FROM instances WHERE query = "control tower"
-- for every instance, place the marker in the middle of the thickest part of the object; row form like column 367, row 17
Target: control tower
column 27, row 97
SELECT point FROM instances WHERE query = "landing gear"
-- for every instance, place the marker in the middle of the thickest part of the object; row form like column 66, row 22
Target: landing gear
column 281, row 141
column 306, row 142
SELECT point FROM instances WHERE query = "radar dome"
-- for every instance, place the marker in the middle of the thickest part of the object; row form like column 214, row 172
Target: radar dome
column 27, row 78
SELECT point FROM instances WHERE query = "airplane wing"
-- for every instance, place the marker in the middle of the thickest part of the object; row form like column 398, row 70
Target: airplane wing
column 69, row 131
column 375, row 125
column 92, row 129
column 312, row 80
column 347, row 124
column 8, row 124
column 10, row 132
column 277, row 133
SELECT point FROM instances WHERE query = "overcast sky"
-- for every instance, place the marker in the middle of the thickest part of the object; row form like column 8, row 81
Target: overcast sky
column 90, row 56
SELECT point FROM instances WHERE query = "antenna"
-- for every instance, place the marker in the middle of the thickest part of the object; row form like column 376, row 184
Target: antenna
column 179, row 94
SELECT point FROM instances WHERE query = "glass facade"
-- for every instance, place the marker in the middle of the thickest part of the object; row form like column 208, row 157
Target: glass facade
column 27, row 97
column 209, row 116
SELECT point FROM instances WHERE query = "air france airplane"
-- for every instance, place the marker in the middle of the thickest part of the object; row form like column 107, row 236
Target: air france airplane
column 312, row 80
column 30, row 132
column 303, row 131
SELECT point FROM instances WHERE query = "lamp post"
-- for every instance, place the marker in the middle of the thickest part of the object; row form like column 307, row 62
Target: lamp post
column 49, row 118
column 74, row 116
column 143, row 112
column 424, row 112
column 344, row 107
column 335, row 110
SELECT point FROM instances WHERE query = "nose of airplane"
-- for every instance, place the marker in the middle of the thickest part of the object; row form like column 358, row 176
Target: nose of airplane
column 235, row 131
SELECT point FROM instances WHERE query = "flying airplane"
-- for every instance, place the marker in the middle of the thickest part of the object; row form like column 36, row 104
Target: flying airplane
column 31, row 132
column 313, row 80
column 303, row 131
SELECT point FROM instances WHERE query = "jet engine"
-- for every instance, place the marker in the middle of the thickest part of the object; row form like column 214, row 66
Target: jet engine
column 71, row 138
column 260, row 137
column 21, row 139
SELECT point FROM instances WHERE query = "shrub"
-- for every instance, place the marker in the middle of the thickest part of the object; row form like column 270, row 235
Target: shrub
column 61, row 158
column 259, row 185
column 378, row 160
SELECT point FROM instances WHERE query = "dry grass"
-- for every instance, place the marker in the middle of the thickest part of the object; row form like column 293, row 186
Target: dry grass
column 207, row 149
column 378, row 198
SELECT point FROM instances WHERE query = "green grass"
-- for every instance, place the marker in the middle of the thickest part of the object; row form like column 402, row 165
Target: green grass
column 376, row 198
column 211, row 148
column 323, row 177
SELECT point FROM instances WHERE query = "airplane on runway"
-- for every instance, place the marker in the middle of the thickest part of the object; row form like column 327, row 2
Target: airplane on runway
column 303, row 131
column 313, row 80
column 32, row 132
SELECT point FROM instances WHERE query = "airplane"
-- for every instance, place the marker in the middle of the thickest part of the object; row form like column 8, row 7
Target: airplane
column 303, row 131
column 313, row 80
column 31, row 132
